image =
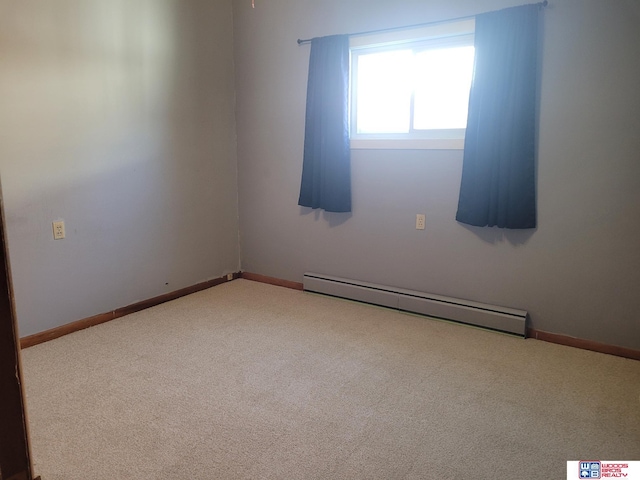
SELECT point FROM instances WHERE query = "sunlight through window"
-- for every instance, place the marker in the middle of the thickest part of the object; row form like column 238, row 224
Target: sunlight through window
column 410, row 89
column 442, row 85
column 384, row 91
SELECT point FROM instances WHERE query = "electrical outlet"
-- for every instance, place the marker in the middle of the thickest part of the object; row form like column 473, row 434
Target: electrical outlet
column 229, row 277
column 420, row 221
column 58, row 230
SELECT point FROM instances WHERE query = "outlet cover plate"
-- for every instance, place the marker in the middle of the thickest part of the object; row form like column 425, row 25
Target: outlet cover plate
column 58, row 230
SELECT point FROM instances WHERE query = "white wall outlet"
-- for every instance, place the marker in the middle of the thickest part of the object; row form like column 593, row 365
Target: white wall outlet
column 420, row 221
column 58, row 230
column 229, row 277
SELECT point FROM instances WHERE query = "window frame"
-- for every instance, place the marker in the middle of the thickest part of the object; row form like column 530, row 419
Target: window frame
column 435, row 36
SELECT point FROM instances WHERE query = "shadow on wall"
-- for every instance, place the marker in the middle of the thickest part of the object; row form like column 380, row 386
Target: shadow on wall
column 494, row 235
column 332, row 218
column 490, row 235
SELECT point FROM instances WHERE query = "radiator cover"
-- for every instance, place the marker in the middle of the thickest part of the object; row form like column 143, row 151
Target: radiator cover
column 503, row 319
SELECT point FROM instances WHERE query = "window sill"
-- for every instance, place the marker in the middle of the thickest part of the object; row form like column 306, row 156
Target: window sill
column 407, row 144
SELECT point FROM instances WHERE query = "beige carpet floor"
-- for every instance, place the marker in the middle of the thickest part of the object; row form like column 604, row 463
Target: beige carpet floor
column 247, row 380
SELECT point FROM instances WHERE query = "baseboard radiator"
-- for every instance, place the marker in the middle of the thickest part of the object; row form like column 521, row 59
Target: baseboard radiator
column 492, row 317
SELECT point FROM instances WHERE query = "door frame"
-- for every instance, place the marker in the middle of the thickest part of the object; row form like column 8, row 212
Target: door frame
column 15, row 452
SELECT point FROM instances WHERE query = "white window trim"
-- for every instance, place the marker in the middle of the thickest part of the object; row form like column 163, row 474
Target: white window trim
column 360, row 143
column 446, row 33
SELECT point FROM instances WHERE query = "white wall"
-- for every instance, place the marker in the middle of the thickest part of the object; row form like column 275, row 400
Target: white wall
column 577, row 274
column 116, row 116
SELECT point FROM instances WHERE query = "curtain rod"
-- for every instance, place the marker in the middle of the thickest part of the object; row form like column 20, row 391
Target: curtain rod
column 308, row 40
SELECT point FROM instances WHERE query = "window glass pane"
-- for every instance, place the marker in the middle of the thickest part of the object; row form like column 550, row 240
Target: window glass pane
column 384, row 92
column 443, row 80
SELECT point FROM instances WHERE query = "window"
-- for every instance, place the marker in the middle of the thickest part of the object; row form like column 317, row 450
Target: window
column 410, row 88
